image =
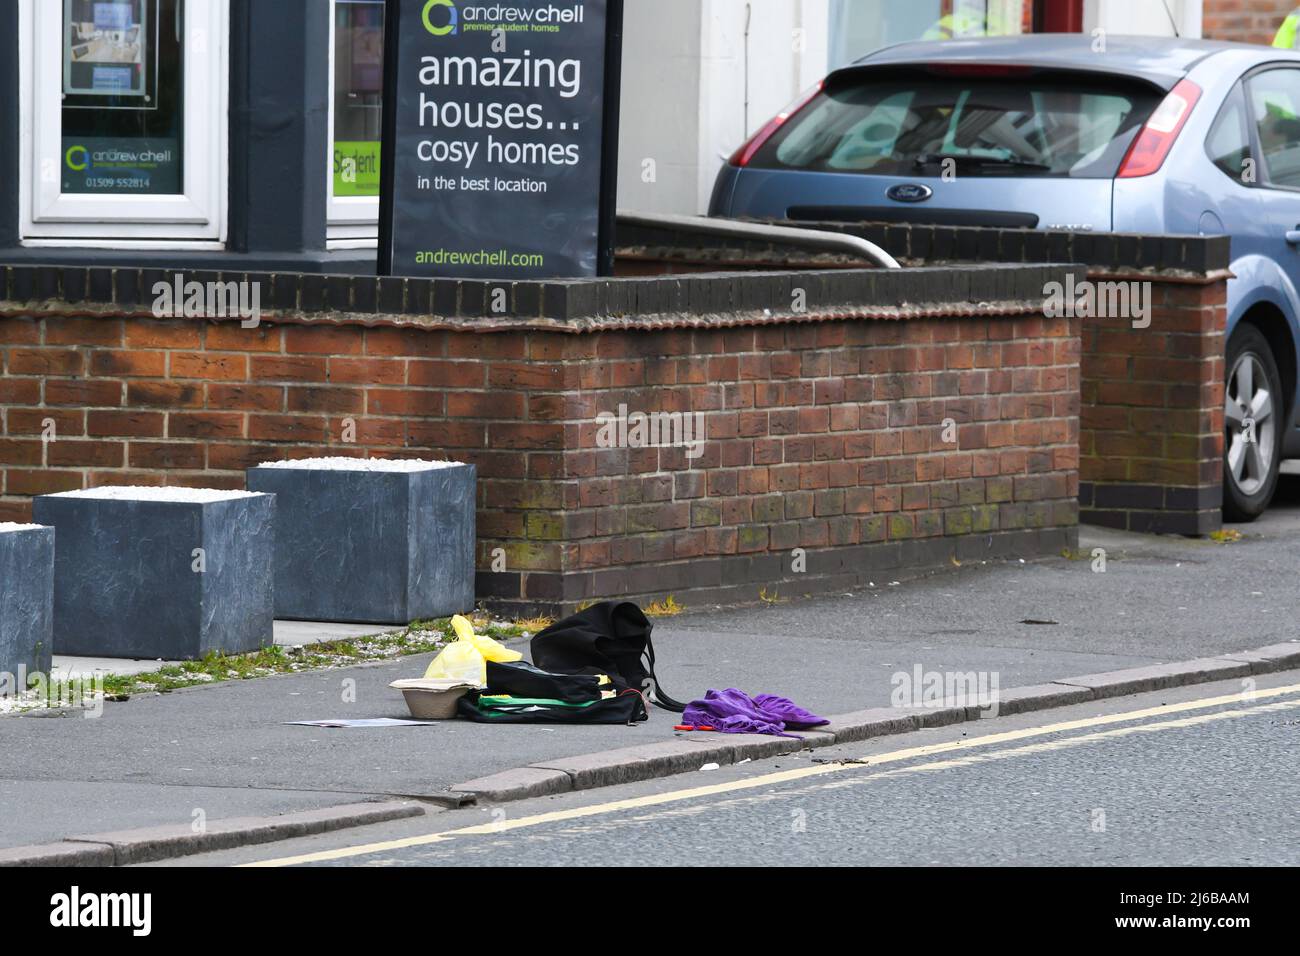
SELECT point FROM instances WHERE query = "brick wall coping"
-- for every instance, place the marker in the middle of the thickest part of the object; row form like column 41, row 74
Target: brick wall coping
column 575, row 306
column 804, row 260
column 1109, row 251
column 1187, row 258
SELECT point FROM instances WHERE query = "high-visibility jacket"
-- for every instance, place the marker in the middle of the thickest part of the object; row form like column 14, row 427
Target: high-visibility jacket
column 1286, row 37
column 966, row 24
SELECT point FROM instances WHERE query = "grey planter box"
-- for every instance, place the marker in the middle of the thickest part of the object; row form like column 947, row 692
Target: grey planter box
column 128, row 581
column 26, row 602
column 371, row 542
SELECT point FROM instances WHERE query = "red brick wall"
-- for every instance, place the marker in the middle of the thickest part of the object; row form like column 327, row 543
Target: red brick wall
column 1152, row 398
column 1245, row 21
column 822, row 436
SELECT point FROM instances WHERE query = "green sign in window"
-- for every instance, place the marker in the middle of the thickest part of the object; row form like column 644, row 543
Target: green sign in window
column 358, row 97
column 356, row 169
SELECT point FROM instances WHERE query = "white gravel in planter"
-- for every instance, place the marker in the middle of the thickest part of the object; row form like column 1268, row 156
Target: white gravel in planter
column 360, row 464
column 201, row 496
column 5, row 528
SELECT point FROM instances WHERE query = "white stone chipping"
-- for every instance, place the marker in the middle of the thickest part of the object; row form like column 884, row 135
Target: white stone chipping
column 201, row 496
column 6, row 528
column 360, row 464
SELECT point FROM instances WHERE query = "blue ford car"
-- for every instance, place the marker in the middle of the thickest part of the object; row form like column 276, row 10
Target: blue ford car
column 1125, row 134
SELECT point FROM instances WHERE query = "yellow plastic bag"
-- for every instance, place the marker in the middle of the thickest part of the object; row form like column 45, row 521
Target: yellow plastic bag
column 491, row 650
column 466, row 659
column 460, row 661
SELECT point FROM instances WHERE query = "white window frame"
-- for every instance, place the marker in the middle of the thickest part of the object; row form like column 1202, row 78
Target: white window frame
column 198, row 215
column 353, row 221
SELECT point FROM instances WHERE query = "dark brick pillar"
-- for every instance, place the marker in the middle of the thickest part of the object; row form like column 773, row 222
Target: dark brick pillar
column 1151, row 441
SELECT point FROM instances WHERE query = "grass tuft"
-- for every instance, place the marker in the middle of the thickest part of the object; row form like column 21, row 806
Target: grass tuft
column 668, row 607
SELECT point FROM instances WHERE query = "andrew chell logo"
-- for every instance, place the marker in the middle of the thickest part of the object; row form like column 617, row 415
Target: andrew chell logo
column 441, row 9
column 446, row 18
column 75, row 909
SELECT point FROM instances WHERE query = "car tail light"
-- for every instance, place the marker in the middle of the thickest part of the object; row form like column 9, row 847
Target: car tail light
column 1153, row 143
column 742, row 156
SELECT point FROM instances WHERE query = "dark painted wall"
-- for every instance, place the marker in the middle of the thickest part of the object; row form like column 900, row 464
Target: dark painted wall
column 279, row 124
column 8, row 123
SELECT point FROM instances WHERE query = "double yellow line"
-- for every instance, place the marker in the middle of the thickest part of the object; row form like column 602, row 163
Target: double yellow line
column 955, row 747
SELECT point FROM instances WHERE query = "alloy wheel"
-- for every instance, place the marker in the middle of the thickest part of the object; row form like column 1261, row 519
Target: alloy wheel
column 1249, row 421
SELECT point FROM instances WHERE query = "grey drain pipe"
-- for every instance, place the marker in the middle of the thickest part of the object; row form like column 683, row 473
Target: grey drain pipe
column 735, row 229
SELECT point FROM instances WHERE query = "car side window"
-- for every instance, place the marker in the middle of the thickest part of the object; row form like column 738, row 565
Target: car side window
column 1228, row 144
column 1275, row 111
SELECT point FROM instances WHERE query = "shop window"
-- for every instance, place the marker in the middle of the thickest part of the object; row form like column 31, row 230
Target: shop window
column 357, row 96
column 124, row 119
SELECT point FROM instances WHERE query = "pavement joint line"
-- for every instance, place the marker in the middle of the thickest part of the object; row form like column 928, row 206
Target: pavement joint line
column 150, row 844
column 626, row 765
column 498, row 827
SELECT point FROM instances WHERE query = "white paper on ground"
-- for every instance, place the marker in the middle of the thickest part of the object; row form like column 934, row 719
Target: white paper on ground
column 369, row 722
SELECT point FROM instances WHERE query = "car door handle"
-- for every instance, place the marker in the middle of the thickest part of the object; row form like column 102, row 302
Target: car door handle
column 1293, row 236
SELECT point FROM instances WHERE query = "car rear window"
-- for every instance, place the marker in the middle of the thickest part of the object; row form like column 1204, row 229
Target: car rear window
column 923, row 125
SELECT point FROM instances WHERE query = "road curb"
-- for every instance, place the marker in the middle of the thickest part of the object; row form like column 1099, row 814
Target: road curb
column 150, row 844
column 690, row 752
column 65, row 853
column 1269, row 660
column 1138, row 680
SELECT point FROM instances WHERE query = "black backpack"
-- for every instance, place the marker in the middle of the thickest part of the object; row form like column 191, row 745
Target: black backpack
column 608, row 638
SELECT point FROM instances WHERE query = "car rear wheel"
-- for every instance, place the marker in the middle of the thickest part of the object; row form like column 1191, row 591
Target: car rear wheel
column 1252, row 421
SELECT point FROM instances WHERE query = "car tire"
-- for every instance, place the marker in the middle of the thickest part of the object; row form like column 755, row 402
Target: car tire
column 1252, row 397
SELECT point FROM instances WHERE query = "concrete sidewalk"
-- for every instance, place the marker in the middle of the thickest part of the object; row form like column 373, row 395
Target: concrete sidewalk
column 225, row 749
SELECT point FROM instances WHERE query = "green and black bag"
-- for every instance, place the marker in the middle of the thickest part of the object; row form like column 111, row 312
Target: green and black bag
column 519, row 693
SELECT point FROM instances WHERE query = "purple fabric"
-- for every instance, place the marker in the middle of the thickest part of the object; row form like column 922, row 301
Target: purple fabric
column 735, row 712
column 793, row 716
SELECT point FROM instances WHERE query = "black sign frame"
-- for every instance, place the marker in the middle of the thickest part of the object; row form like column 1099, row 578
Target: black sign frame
column 608, row 165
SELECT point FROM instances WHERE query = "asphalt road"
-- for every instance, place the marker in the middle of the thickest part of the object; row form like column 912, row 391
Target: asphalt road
column 1196, row 776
